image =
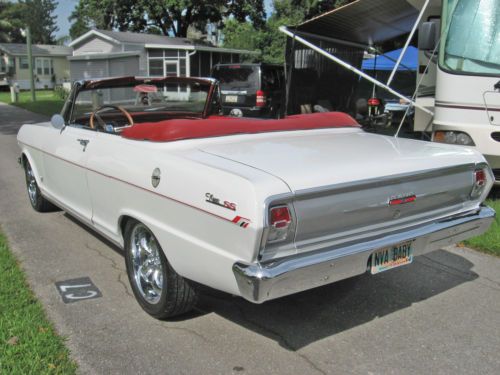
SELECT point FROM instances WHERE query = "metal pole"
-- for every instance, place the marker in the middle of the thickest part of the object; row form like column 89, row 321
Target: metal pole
column 415, row 27
column 30, row 64
column 352, row 69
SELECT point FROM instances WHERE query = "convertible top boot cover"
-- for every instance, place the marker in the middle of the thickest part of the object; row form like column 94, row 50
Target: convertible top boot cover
column 219, row 126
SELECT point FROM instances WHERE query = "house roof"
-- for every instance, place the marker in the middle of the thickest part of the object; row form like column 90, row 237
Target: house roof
column 19, row 49
column 104, row 56
column 153, row 41
column 142, row 38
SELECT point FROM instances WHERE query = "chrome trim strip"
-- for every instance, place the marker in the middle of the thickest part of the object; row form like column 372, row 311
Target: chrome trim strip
column 259, row 282
column 286, row 198
column 382, row 181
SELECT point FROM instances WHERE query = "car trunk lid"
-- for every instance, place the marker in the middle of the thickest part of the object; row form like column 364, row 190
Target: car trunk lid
column 343, row 180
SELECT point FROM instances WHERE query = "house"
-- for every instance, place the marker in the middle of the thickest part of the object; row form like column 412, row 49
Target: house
column 50, row 65
column 103, row 53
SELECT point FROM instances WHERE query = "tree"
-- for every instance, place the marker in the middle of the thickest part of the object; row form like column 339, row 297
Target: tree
column 5, row 27
column 9, row 23
column 37, row 14
column 169, row 17
column 63, row 40
column 107, row 15
column 242, row 35
column 269, row 40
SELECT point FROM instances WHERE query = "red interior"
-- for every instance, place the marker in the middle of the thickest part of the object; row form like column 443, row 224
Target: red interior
column 218, row 126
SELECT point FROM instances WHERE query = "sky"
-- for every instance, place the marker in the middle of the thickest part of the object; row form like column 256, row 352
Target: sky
column 63, row 11
column 65, row 7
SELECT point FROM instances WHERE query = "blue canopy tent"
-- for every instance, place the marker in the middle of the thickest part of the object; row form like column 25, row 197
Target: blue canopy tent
column 388, row 60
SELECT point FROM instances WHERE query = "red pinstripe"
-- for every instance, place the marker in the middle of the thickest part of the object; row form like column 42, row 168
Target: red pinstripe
column 136, row 186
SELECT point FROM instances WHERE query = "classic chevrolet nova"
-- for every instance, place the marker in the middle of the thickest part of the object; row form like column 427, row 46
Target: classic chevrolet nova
column 256, row 208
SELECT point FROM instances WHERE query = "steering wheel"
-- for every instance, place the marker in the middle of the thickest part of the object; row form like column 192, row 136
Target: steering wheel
column 101, row 122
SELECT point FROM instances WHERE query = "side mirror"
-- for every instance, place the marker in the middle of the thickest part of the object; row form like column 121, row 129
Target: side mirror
column 427, row 36
column 57, row 121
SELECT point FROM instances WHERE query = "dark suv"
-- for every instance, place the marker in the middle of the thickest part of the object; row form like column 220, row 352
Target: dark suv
column 251, row 90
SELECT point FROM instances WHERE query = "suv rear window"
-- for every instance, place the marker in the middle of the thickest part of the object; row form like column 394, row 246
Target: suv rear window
column 234, row 77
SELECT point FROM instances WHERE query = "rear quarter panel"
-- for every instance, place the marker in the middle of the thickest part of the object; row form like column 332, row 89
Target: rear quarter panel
column 199, row 238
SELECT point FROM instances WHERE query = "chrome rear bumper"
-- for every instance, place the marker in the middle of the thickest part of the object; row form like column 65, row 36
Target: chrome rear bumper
column 259, row 282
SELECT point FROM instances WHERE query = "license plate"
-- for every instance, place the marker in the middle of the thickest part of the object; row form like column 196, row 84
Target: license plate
column 392, row 257
column 231, row 99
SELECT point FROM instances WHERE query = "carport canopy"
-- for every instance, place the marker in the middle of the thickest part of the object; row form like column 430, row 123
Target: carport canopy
column 364, row 22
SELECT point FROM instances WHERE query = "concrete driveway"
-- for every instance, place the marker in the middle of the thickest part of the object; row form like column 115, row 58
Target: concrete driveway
column 439, row 315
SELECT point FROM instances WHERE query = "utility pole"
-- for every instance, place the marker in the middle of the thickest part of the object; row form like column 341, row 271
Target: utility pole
column 30, row 63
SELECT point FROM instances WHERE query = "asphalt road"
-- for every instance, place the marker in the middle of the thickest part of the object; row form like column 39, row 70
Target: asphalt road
column 440, row 315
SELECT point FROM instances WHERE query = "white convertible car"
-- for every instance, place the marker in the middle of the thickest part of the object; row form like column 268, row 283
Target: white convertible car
column 256, row 208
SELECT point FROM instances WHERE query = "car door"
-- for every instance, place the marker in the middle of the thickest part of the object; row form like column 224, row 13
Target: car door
column 65, row 162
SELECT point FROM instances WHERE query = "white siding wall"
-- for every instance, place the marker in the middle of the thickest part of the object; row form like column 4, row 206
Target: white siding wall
column 95, row 45
column 126, row 66
column 88, row 69
column 143, row 58
column 85, row 69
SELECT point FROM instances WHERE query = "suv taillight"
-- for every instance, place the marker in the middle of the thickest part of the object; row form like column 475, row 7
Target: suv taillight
column 260, row 99
column 479, row 183
column 280, row 221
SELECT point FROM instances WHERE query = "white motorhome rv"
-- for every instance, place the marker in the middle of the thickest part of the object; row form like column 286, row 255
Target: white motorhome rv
column 458, row 97
column 466, row 76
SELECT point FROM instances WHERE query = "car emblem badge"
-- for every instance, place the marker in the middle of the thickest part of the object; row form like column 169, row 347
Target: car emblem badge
column 210, row 198
column 156, row 177
column 402, row 199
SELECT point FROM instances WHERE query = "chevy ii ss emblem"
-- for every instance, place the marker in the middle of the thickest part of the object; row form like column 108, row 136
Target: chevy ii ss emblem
column 402, row 199
column 211, row 199
column 156, row 177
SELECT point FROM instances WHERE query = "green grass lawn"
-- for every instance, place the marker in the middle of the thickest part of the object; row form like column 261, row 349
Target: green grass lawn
column 28, row 341
column 490, row 241
column 47, row 103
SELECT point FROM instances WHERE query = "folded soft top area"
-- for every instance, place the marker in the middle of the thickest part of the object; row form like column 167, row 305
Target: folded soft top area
column 219, row 126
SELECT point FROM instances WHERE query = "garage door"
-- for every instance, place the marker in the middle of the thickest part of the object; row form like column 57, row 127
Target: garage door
column 88, row 69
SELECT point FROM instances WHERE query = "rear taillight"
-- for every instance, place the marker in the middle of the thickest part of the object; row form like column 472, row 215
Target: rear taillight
column 374, row 102
column 260, row 100
column 280, row 221
column 480, row 180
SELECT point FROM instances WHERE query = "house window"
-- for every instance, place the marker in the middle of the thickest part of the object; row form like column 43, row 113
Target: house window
column 44, row 67
column 38, row 67
column 23, row 63
column 7, row 65
column 156, row 68
column 155, row 53
column 12, row 65
column 159, row 60
column 182, row 70
column 171, row 53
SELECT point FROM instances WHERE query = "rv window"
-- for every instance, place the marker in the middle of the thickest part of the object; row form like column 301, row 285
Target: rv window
column 462, row 50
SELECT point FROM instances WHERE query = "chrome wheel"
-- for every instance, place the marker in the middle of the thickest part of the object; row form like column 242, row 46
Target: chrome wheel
column 146, row 263
column 32, row 187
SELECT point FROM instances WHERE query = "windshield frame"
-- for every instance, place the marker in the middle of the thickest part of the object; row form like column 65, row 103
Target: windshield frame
column 109, row 83
column 445, row 28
